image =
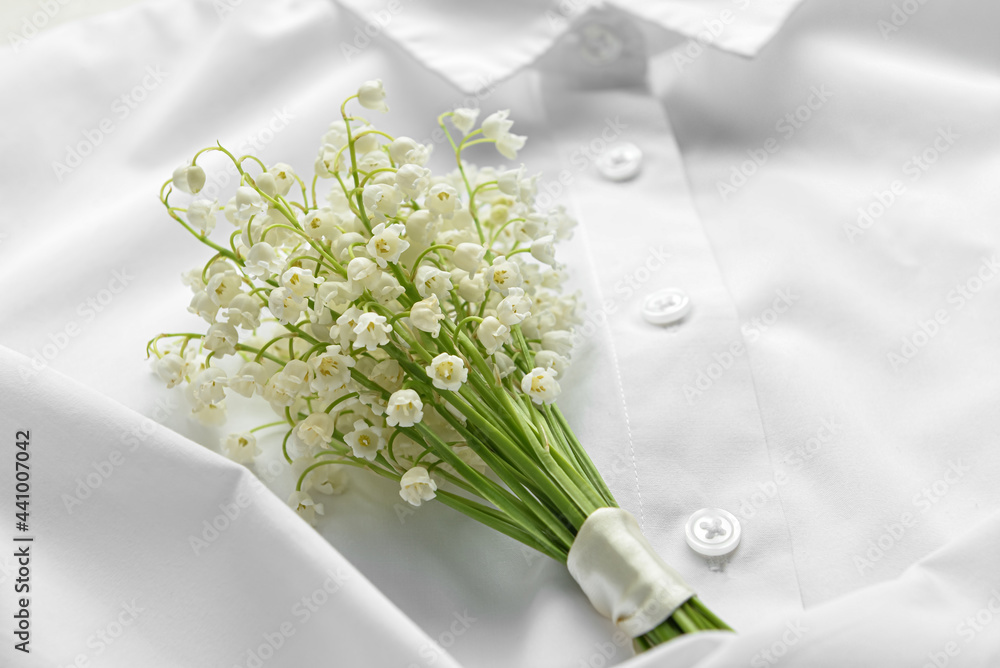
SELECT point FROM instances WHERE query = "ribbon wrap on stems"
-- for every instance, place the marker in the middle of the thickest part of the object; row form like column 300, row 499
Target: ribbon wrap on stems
column 625, row 580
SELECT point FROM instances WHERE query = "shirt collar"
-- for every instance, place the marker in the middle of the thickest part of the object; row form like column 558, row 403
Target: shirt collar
column 475, row 45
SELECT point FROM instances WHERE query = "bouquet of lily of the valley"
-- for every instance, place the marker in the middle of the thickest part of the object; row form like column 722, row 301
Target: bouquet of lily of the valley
column 413, row 325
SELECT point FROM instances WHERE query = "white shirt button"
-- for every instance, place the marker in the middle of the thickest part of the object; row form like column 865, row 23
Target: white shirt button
column 619, row 162
column 712, row 532
column 666, row 306
column 599, row 45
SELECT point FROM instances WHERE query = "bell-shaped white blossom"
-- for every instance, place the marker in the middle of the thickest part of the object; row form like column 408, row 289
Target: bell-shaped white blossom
column 362, row 271
column 497, row 124
column 503, row 365
column 413, row 180
column 371, row 95
column 365, row 440
column 244, row 311
column 385, row 288
column 284, row 177
column 249, row 203
column 305, row 507
column 406, row 151
column 493, row 334
column 203, row 306
column 559, row 341
column 343, row 331
column 209, row 386
column 285, row 305
column 509, row 181
column 189, row 178
column 503, row 275
column 465, row 119
column 382, row 200
column 549, row 359
column 372, row 331
column 541, row 385
column 171, row 368
column 202, row 214
column 300, row 281
column 421, row 226
column 469, row 257
column 331, row 369
column 241, row 448
column 514, row 308
column 432, row 281
column 473, row 288
column 509, row 144
column 497, row 127
column 386, row 246
column 249, row 379
column 426, row 315
column 262, row 260
column 543, row 250
column 442, row 199
column 404, row 409
column 560, row 223
column 316, row 430
column 224, row 286
column 320, row 224
column 417, row 486
column 221, row 339
column 447, row 372
column 328, row 479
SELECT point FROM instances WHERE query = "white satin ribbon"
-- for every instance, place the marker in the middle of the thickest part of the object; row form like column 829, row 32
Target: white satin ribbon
column 625, row 580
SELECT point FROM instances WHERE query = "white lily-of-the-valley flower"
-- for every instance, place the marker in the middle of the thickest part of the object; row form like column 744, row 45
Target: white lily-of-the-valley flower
column 541, row 385
column 417, row 486
column 202, row 214
column 371, row 95
column 189, row 178
column 426, row 315
column 404, row 409
column 241, row 448
column 365, row 440
column 447, row 372
column 304, row 505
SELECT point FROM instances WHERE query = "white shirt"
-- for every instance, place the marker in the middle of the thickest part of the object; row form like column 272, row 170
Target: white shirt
column 828, row 207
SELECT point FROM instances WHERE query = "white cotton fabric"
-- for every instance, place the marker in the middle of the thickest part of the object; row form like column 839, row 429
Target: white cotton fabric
column 775, row 398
